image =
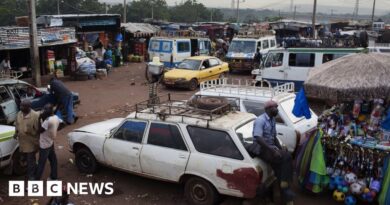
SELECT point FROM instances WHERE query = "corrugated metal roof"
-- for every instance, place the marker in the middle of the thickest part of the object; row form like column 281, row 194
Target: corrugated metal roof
column 140, row 29
column 12, row 38
column 80, row 15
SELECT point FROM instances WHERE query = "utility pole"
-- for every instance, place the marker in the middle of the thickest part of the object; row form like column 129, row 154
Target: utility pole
column 373, row 13
column 295, row 12
column 58, row 7
column 124, row 11
column 152, row 12
column 34, row 51
column 106, row 6
column 314, row 19
column 211, row 15
column 238, row 11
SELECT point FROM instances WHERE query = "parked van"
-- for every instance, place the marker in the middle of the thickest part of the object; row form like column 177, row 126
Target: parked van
column 173, row 50
column 242, row 51
column 293, row 64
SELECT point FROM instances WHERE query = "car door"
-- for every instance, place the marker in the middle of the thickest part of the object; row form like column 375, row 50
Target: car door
column 207, row 72
column 122, row 149
column 8, row 106
column 274, row 71
column 164, row 154
column 285, row 134
column 183, row 50
column 217, row 158
column 216, row 67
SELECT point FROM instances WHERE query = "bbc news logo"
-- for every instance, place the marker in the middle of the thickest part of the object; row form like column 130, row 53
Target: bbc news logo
column 55, row 188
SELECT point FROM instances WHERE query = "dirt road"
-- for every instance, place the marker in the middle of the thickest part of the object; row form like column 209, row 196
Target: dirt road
column 110, row 98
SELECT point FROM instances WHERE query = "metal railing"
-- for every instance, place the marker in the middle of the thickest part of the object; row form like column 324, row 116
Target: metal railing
column 245, row 87
column 168, row 107
column 10, row 75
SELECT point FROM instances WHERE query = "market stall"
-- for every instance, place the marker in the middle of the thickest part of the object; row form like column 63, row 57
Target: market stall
column 349, row 153
column 137, row 36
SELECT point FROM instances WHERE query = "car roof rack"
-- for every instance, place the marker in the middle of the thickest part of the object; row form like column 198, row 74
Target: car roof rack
column 10, row 75
column 167, row 107
column 245, row 87
column 254, row 34
column 182, row 33
column 323, row 42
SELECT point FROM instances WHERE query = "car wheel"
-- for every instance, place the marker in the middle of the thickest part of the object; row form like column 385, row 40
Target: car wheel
column 19, row 163
column 85, row 161
column 210, row 103
column 193, row 85
column 200, row 192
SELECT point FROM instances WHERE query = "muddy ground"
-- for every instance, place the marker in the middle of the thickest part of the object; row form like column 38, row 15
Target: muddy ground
column 110, row 98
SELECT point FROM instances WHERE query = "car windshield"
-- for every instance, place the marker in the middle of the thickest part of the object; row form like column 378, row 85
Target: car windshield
column 190, row 64
column 243, row 46
column 244, row 132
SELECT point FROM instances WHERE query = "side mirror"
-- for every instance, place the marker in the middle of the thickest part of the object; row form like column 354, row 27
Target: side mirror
column 203, row 67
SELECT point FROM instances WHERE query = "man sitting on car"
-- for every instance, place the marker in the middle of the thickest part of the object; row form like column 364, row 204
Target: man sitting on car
column 271, row 151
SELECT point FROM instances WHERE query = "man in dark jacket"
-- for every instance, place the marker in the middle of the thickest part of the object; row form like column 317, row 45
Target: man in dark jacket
column 64, row 99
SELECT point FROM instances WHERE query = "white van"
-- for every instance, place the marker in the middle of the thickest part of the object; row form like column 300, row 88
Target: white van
column 173, row 50
column 293, row 64
column 242, row 51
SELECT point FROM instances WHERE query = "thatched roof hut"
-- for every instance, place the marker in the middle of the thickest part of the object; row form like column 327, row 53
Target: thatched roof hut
column 356, row 76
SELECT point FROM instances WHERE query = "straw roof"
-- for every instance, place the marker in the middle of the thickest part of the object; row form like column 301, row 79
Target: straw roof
column 356, row 76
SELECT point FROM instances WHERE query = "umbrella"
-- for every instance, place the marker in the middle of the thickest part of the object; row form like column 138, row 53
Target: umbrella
column 357, row 76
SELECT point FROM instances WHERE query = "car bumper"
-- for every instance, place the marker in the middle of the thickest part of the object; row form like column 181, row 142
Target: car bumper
column 176, row 83
column 241, row 65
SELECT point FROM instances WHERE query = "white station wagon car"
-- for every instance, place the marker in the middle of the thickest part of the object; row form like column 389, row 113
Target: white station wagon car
column 249, row 98
column 10, row 156
column 175, row 142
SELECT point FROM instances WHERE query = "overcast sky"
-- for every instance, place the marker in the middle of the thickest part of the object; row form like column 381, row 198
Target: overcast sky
column 343, row 5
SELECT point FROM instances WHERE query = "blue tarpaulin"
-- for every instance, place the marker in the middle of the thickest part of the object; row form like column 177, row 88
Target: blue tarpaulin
column 301, row 106
column 386, row 121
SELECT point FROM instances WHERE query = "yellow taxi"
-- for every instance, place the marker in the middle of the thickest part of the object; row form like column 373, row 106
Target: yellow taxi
column 194, row 70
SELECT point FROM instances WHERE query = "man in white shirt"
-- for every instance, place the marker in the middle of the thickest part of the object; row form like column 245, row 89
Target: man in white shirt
column 5, row 65
column 49, row 126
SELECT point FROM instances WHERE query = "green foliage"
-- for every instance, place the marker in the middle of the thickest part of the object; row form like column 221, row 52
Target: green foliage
column 9, row 9
column 189, row 12
column 142, row 9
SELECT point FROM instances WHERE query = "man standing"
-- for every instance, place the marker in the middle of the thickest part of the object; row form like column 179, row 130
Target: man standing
column 49, row 127
column 5, row 65
column 27, row 133
column 64, row 99
column 264, row 131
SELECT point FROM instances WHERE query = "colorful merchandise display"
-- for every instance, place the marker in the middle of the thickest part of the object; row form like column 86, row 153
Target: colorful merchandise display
column 353, row 142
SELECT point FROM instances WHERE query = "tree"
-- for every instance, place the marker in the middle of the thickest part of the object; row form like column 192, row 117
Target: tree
column 70, row 7
column 9, row 9
column 217, row 15
column 190, row 11
column 139, row 10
